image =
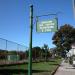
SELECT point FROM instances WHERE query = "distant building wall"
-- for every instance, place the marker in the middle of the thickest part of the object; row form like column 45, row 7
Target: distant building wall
column 13, row 57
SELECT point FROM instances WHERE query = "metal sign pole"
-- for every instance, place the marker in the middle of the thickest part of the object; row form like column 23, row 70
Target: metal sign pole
column 30, row 45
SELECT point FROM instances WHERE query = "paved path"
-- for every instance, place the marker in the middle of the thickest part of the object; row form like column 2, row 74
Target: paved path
column 65, row 69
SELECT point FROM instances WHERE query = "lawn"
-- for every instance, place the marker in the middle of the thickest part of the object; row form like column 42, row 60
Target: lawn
column 41, row 68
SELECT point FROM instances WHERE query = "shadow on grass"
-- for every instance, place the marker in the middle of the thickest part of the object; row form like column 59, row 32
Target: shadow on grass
column 12, row 64
column 18, row 71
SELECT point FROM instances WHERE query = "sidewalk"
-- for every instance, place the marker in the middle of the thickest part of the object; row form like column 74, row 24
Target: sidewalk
column 65, row 69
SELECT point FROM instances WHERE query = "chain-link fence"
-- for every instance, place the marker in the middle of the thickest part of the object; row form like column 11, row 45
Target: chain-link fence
column 11, row 52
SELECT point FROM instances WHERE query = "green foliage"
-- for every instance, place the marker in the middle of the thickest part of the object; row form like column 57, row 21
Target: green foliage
column 64, row 37
column 40, row 53
column 36, row 52
column 45, row 47
column 3, row 54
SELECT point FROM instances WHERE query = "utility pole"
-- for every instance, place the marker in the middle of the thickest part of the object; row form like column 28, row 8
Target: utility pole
column 30, row 45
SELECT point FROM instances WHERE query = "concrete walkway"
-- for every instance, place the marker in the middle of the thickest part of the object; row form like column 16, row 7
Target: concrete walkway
column 65, row 69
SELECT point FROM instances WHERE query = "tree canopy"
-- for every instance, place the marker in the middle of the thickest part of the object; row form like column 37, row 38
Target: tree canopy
column 64, row 37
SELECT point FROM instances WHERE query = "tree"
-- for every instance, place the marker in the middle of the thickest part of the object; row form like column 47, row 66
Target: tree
column 36, row 52
column 64, row 37
column 46, row 51
column 3, row 54
column 26, row 54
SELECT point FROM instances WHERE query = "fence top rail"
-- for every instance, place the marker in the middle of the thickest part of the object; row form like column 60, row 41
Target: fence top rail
column 13, row 42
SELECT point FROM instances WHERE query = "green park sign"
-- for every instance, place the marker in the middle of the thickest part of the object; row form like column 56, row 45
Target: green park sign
column 47, row 26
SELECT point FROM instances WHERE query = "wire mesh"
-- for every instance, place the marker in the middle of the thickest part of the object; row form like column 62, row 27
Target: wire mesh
column 11, row 51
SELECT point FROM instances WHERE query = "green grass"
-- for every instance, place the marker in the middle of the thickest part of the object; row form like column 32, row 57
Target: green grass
column 46, row 65
column 38, row 68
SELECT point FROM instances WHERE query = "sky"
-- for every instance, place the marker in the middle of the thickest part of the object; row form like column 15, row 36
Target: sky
column 15, row 21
